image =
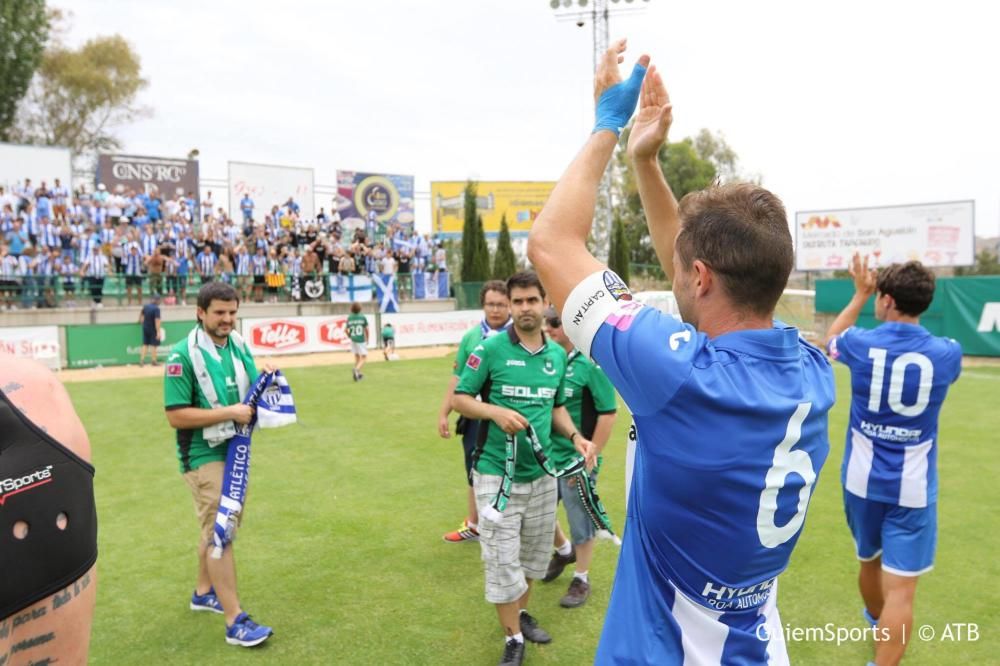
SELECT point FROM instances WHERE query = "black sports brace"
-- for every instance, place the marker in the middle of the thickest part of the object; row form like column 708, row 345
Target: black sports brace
column 39, row 479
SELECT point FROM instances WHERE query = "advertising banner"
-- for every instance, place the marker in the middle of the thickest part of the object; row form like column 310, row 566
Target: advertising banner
column 966, row 309
column 374, row 201
column 422, row 329
column 38, row 342
column 142, row 174
column 269, row 185
column 116, row 344
column 300, row 335
column 937, row 234
column 520, row 201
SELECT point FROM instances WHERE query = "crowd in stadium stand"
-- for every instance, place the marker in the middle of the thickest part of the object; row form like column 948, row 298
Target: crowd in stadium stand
column 59, row 245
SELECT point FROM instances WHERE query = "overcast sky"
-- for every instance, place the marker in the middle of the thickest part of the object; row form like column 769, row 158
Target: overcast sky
column 835, row 104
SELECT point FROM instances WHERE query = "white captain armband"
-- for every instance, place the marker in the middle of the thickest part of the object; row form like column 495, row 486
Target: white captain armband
column 600, row 298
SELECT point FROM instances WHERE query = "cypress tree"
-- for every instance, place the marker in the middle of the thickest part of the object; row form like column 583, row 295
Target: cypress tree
column 618, row 253
column 504, row 261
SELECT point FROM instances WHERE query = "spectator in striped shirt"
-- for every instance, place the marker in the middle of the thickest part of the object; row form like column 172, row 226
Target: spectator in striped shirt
column 8, row 278
column 26, row 271
column 206, row 264
column 258, row 264
column 69, row 271
column 243, row 272
column 46, row 269
column 95, row 269
column 133, row 274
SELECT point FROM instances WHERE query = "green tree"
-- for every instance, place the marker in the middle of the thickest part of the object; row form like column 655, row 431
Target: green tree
column 79, row 96
column 24, row 29
column 480, row 265
column 986, row 264
column 468, row 230
column 689, row 165
column 504, row 261
column 618, row 255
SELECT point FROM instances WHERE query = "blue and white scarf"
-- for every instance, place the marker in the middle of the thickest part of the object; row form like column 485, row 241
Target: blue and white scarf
column 271, row 397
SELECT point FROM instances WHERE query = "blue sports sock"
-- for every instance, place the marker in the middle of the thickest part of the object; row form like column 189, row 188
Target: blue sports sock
column 873, row 621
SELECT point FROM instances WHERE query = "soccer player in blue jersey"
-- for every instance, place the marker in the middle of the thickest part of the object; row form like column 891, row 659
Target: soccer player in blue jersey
column 730, row 408
column 900, row 374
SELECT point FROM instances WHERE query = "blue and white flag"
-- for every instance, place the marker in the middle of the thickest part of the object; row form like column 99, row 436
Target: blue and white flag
column 274, row 408
column 350, row 288
column 427, row 285
column 386, row 291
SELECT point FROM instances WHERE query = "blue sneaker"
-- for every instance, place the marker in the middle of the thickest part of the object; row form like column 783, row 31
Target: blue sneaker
column 205, row 602
column 246, row 632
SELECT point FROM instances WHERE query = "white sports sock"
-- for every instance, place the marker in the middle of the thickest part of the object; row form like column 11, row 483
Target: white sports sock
column 519, row 637
column 472, row 525
column 565, row 549
column 582, row 575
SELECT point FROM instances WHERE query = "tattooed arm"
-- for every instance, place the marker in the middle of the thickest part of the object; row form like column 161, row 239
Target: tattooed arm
column 57, row 628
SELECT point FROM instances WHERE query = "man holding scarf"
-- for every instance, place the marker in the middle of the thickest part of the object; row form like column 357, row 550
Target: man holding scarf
column 212, row 366
column 496, row 319
column 521, row 373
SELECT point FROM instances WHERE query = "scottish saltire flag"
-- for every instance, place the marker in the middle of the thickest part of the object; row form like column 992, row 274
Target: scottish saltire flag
column 386, row 291
column 276, row 408
column 430, row 285
column 272, row 397
column 350, row 288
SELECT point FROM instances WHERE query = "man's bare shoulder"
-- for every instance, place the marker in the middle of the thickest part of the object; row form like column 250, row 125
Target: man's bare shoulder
column 38, row 394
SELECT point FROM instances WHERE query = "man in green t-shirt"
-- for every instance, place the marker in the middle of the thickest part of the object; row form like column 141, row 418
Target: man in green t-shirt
column 388, row 341
column 189, row 410
column 496, row 319
column 357, row 331
column 520, row 376
column 591, row 403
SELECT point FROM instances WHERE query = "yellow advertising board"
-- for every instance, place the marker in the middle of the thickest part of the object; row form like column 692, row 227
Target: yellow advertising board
column 520, row 201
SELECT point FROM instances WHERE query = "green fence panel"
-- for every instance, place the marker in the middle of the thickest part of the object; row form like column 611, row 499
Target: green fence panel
column 115, row 344
column 964, row 308
column 467, row 295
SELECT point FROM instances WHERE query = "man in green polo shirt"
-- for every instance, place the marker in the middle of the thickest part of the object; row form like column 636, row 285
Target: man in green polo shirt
column 591, row 403
column 520, row 376
column 496, row 319
column 199, row 425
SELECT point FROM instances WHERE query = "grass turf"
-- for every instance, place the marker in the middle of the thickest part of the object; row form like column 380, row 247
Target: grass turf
column 341, row 547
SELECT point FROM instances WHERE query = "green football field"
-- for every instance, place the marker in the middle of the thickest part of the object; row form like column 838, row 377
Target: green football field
column 341, row 547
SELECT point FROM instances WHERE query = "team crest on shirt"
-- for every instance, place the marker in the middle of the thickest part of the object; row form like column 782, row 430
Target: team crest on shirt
column 616, row 287
column 175, row 369
column 473, row 362
column 549, row 368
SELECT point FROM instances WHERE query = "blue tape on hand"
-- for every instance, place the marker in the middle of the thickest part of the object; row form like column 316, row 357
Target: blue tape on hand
column 617, row 103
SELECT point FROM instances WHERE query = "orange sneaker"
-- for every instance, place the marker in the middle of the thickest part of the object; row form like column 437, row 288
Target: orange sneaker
column 465, row 532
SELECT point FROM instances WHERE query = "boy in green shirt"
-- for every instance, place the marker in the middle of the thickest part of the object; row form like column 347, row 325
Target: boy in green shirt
column 357, row 330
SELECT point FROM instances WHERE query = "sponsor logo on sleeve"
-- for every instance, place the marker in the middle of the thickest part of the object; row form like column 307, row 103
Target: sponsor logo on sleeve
column 677, row 338
column 175, row 369
column 834, row 354
column 616, row 287
column 473, row 362
column 624, row 315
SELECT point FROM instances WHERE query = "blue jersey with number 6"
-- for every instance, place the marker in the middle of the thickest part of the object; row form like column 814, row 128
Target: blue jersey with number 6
column 731, row 436
column 900, row 374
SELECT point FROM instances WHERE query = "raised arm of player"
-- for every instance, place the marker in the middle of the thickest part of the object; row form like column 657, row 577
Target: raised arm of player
column 648, row 135
column 557, row 245
column 864, row 286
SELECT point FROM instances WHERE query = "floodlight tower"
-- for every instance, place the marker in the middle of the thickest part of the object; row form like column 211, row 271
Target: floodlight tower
column 598, row 14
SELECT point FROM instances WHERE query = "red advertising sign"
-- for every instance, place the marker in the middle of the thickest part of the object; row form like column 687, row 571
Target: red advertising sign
column 278, row 335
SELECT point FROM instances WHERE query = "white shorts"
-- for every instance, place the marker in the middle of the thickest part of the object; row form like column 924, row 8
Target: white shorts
column 359, row 348
column 520, row 546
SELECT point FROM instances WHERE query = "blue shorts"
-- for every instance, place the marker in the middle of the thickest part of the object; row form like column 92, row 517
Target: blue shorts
column 581, row 527
column 904, row 537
